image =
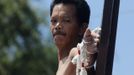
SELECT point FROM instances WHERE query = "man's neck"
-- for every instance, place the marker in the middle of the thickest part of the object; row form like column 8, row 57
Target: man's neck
column 63, row 53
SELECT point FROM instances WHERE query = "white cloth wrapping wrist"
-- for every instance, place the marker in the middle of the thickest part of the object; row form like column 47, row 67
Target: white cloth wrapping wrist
column 91, row 48
column 86, row 49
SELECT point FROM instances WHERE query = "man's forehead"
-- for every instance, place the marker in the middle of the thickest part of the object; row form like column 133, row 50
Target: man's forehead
column 66, row 9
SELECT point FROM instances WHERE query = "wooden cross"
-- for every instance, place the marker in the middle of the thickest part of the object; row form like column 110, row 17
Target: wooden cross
column 108, row 36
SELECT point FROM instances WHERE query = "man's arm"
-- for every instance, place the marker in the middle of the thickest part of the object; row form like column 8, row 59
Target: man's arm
column 90, row 44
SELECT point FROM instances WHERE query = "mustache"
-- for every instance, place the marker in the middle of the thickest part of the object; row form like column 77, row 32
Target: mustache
column 59, row 33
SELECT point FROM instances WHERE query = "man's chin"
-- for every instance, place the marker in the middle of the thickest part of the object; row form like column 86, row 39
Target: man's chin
column 59, row 45
column 58, row 39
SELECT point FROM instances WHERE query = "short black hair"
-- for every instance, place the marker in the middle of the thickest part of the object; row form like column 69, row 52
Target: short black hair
column 82, row 9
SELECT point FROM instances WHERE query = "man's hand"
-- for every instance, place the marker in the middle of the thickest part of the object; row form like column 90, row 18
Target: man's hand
column 91, row 40
column 69, row 67
column 92, row 36
column 96, row 34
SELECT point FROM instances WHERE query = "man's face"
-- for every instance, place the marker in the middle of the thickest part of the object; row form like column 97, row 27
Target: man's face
column 64, row 25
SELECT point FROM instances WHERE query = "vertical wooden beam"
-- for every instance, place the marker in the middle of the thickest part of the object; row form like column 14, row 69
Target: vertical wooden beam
column 105, row 35
column 108, row 36
column 112, row 39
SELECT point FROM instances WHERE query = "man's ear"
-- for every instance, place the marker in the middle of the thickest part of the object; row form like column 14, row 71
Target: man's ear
column 83, row 28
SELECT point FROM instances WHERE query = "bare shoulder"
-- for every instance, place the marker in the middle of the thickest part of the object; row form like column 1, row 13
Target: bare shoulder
column 73, row 52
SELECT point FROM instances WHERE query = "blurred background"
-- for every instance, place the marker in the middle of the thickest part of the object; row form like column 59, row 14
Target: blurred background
column 26, row 46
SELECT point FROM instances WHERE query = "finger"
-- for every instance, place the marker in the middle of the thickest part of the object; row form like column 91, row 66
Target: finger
column 87, row 33
column 95, row 35
column 96, row 40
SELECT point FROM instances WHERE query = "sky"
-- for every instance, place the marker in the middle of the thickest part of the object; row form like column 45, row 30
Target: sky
column 124, row 49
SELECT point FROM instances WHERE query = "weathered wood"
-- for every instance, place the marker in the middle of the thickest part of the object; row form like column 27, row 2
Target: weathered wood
column 112, row 41
column 108, row 36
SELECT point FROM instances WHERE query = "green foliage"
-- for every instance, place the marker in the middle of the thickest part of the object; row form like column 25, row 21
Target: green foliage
column 21, row 50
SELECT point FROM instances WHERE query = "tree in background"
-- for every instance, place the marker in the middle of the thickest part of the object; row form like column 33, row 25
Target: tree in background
column 21, row 50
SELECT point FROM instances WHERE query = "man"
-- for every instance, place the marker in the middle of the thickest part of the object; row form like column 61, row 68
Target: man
column 69, row 21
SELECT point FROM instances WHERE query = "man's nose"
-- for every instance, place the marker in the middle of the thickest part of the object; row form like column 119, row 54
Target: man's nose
column 58, row 26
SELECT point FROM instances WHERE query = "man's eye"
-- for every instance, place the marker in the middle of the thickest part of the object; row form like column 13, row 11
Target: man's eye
column 66, row 20
column 53, row 21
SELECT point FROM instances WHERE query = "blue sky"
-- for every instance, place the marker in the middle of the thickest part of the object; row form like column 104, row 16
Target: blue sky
column 124, row 51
